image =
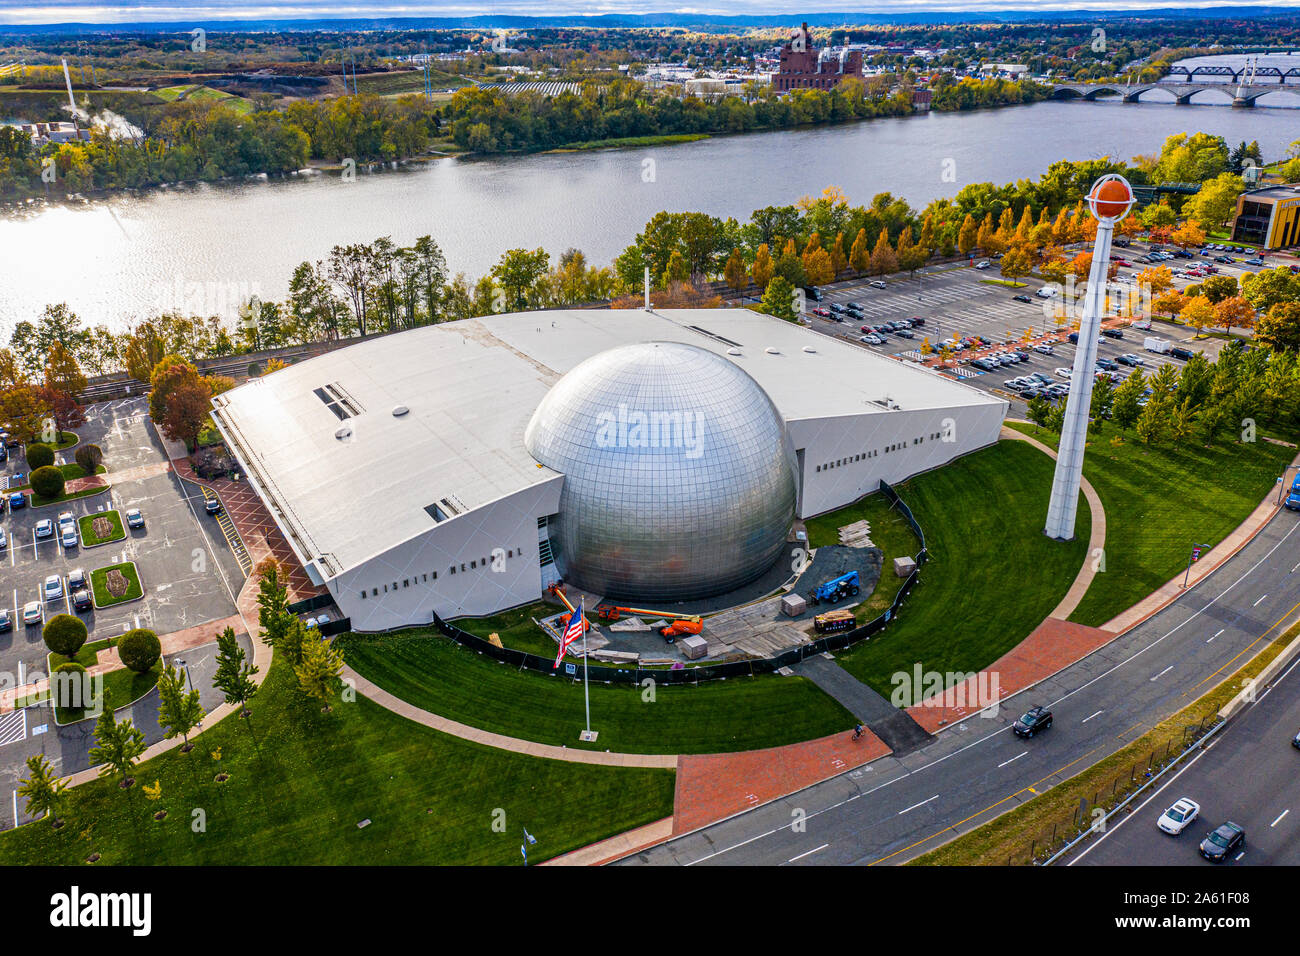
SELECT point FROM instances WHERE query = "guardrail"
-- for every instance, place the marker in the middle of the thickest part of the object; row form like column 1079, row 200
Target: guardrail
column 707, row 672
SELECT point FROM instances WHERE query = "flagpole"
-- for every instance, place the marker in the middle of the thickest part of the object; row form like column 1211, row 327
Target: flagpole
column 586, row 693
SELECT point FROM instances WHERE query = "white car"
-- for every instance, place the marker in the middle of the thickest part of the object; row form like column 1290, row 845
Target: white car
column 53, row 589
column 1175, row 820
column 1043, row 349
column 4, row 541
column 32, row 613
column 872, row 340
column 1046, row 292
column 1063, row 372
column 983, row 264
column 45, row 528
column 68, row 537
column 66, row 520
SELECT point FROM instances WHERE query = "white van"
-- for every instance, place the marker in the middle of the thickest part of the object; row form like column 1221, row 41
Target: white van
column 1046, row 292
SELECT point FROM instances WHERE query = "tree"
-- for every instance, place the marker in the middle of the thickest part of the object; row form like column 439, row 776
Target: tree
column 318, row 672
column 1038, row 410
column 1103, row 400
column 39, row 456
column 778, row 300
column 64, row 634
column 1198, row 313
column 1156, row 278
column 1189, row 233
column 517, row 271
column 883, row 259
column 967, row 236
column 763, row 267
column 62, row 371
column 139, row 649
column 1055, row 420
column 187, row 412
column 860, row 252
column 24, row 410
column 1234, row 311
column 1126, row 406
column 1153, row 421
column 89, row 457
column 234, row 677
column 1267, row 288
column 1279, row 328
column 1017, row 262
column 47, row 482
column 1218, row 288
column 1170, row 302
column 179, row 710
column 118, row 745
column 43, row 790
column 1216, row 201
column 169, row 374
column 735, row 273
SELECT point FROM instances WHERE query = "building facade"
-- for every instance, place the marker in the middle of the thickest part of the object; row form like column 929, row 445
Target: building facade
column 803, row 67
column 1268, row 217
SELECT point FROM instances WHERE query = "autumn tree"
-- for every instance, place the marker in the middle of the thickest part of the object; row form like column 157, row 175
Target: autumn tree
column 883, row 259
column 1198, row 312
column 763, row 267
column 734, row 272
column 967, row 236
column 860, row 253
column 63, row 372
column 1234, row 311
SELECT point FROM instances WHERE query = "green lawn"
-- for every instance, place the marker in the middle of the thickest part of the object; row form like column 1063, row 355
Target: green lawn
column 122, row 686
column 1159, row 501
column 992, row 576
column 516, row 629
column 747, row 713
column 99, row 586
column 890, row 532
column 300, row 782
column 88, row 656
column 86, row 527
column 71, row 471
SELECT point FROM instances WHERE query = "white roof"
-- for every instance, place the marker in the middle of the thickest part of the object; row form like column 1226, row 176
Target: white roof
column 472, row 386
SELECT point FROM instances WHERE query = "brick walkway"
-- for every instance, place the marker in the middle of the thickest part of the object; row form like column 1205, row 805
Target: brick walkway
column 711, row 787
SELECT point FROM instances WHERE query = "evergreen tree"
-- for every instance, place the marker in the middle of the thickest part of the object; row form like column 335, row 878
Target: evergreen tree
column 318, row 672
column 43, row 790
column 118, row 745
column 179, row 711
column 234, row 677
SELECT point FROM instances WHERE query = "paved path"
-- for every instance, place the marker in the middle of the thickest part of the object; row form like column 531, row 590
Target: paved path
column 891, row 724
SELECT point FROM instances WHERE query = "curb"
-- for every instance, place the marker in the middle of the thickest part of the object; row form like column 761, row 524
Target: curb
column 100, row 544
column 104, row 607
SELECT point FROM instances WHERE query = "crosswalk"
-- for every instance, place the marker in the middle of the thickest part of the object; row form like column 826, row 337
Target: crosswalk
column 231, row 534
column 13, row 727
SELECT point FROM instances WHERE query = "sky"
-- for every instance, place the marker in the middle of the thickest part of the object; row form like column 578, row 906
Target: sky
column 88, row 11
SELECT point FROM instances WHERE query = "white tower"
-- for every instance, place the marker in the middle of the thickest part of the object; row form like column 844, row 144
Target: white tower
column 1110, row 200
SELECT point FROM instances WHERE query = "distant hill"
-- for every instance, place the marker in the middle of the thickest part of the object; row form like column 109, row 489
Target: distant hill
column 689, row 20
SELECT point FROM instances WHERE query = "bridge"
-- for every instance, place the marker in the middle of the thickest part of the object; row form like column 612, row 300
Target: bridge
column 1240, row 94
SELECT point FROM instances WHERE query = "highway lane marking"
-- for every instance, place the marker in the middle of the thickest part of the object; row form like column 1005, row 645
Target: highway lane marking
column 809, row 853
column 915, row 805
column 1162, row 673
column 1216, row 634
column 1012, row 760
column 975, row 743
column 1279, row 819
column 1261, row 597
column 1090, row 716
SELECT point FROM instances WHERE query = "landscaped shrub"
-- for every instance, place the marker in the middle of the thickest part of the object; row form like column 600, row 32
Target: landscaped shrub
column 139, row 649
column 64, row 634
column 47, row 482
column 38, row 456
column 89, row 457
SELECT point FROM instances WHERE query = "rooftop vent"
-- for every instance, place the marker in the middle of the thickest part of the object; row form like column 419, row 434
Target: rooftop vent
column 772, row 351
column 343, row 433
column 734, row 352
column 399, row 411
column 809, row 349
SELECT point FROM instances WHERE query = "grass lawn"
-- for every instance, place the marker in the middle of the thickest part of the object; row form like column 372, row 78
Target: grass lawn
column 1161, row 500
column 86, row 527
column 437, row 674
column 890, row 532
column 300, row 782
column 99, row 585
column 39, row 502
column 70, row 471
column 991, row 577
column 88, row 656
column 1008, row 283
column 515, row 627
column 122, row 686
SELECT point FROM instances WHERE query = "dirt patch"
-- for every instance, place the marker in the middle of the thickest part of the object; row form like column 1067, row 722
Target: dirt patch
column 102, row 527
column 117, row 583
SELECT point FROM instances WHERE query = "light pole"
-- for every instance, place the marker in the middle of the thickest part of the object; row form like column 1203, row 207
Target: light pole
column 1110, row 200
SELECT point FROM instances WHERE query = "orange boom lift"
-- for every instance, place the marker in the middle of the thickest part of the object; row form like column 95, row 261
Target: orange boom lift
column 682, row 623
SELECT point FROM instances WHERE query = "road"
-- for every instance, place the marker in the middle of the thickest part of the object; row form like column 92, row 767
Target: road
column 1249, row 774
column 897, row 808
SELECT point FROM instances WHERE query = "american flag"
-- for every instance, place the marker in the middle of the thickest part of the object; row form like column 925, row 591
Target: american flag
column 571, row 633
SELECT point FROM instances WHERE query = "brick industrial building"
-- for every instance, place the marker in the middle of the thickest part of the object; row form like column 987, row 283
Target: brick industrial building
column 803, row 67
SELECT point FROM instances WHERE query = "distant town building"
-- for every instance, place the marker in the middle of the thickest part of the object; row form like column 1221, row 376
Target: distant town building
column 1006, row 71
column 57, row 132
column 803, row 67
column 1268, row 217
column 921, row 100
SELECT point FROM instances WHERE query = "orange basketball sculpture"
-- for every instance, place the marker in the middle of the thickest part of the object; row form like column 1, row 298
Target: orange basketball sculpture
column 1111, row 197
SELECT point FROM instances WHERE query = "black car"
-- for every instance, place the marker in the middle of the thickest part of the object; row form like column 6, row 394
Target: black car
column 212, row 506
column 813, row 292
column 6, row 622
column 81, row 600
column 1032, row 721
column 1022, row 298
column 1128, row 360
column 1110, row 365
column 1181, row 353
column 916, row 322
column 1295, row 741
column 1222, row 842
column 1113, row 333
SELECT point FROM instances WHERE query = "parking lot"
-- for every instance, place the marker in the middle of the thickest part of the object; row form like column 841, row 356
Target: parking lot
column 957, row 301
column 187, row 570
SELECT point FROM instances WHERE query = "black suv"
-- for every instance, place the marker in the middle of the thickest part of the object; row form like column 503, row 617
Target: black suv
column 1219, row 843
column 1034, row 720
column 1181, row 353
column 1113, row 333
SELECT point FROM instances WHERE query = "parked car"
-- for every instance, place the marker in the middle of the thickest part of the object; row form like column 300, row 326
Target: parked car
column 68, row 537
column 916, row 321
column 983, row 264
column 1109, row 365
column 45, row 528
column 1179, row 352
column 1046, row 292
column 212, row 506
column 1022, row 298
column 1032, row 721
column 905, row 334
column 1223, row 841
column 1295, row 741
column 1043, row 349
column 872, row 339
column 53, row 588
column 134, row 519
column 33, row 613
column 6, row 622
column 17, row 500
column 1113, row 333
column 1131, row 360
column 1063, row 372
column 1256, row 261
column 77, row 579
column 1042, row 378
column 877, row 284
column 81, row 600
column 1175, row 820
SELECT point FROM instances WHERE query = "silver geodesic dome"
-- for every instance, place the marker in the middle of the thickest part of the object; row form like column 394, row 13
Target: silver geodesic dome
column 679, row 477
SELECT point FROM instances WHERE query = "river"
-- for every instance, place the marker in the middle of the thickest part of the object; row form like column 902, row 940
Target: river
column 205, row 248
